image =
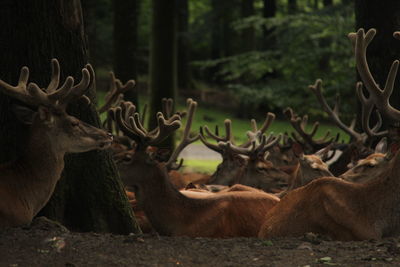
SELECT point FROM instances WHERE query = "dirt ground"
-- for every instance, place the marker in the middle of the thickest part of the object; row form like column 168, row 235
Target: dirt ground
column 45, row 243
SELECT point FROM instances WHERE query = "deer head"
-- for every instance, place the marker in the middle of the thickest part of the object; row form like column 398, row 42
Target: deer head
column 27, row 183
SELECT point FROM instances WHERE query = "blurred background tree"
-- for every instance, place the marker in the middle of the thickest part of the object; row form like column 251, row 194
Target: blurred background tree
column 259, row 54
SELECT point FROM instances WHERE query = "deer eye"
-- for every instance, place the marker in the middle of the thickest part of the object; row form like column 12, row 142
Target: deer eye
column 74, row 123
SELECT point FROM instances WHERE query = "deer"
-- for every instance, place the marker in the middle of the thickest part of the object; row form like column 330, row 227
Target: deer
column 340, row 209
column 243, row 163
column 27, row 183
column 258, row 171
column 179, row 180
column 172, row 213
column 360, row 142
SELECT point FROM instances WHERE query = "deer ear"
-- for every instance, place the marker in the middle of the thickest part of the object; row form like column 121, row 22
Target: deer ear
column 45, row 115
column 24, row 114
column 382, row 146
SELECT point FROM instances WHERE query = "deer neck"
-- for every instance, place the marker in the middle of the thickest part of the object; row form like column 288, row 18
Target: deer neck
column 390, row 179
column 166, row 208
column 39, row 169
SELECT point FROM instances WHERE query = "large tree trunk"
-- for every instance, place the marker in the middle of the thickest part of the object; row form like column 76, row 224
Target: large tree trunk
column 126, row 14
column 184, row 74
column 248, row 34
column 89, row 196
column 163, row 61
column 89, row 19
column 385, row 17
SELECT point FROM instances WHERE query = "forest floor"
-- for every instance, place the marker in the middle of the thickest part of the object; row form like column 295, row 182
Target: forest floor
column 46, row 243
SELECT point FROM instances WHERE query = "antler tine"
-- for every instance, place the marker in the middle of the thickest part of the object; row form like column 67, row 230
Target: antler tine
column 20, row 90
column 367, row 105
column 55, row 76
column 299, row 124
column 269, row 142
column 114, row 93
column 118, row 116
column 186, row 139
column 379, row 96
column 236, row 149
column 270, row 117
column 165, row 129
column 75, row 92
column 333, row 114
column 228, row 132
column 213, row 147
column 255, row 149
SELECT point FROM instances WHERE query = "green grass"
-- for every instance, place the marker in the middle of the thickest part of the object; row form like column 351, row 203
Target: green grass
column 202, row 166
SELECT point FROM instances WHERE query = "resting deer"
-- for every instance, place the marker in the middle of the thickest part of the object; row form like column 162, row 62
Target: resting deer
column 245, row 163
column 180, row 181
column 27, row 183
column 171, row 212
column 340, row 209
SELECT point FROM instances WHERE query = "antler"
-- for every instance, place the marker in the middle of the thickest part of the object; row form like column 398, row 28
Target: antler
column 53, row 96
column 228, row 136
column 270, row 117
column 256, row 149
column 334, row 114
column 299, row 124
column 186, row 139
column 130, row 123
column 367, row 107
column 380, row 97
column 115, row 93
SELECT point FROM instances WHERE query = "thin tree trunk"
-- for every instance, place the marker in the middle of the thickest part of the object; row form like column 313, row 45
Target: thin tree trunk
column 163, row 62
column 248, row 34
column 89, row 196
column 269, row 11
column 126, row 14
column 184, row 74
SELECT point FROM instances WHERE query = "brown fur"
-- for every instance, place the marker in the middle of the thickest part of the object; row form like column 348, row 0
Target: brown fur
column 340, row 209
column 27, row 183
column 226, row 214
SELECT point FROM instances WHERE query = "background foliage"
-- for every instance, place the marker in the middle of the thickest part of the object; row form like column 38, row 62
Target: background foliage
column 297, row 49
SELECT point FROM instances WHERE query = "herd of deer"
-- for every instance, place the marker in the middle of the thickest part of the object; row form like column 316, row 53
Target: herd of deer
column 269, row 186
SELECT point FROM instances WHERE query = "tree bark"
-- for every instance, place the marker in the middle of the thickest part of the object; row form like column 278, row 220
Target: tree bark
column 269, row 11
column 126, row 14
column 89, row 19
column 248, row 34
column 184, row 74
column 163, row 60
column 384, row 49
column 222, row 32
column 89, row 196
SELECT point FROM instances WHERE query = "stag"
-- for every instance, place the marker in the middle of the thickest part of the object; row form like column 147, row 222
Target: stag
column 27, row 183
column 340, row 209
column 173, row 213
